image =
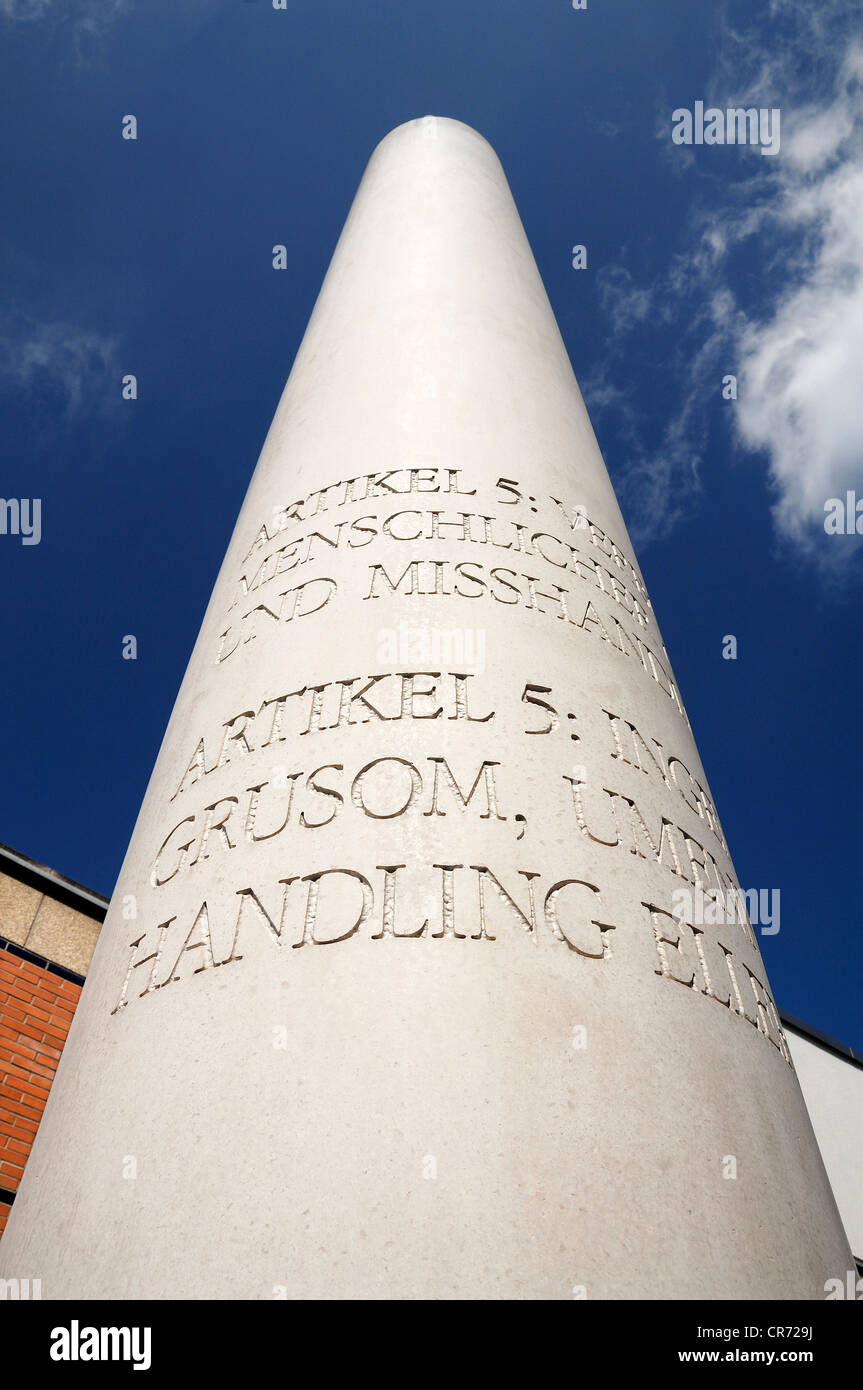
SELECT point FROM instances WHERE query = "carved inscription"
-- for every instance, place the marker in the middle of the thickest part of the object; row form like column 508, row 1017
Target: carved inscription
column 466, row 528
column 591, row 560
column 386, row 697
column 383, row 789
column 243, row 784
column 569, row 911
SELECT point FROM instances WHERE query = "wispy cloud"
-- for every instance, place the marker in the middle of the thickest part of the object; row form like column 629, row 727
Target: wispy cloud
column 797, row 351
column 65, row 370
column 87, row 19
column 624, row 302
column 24, row 10
column 94, row 12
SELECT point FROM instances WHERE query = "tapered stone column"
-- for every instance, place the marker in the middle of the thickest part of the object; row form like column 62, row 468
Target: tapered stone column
column 406, row 989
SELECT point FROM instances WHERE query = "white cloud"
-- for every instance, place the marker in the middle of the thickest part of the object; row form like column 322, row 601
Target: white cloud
column 801, row 397
column 623, row 301
column 87, row 19
column 67, row 369
column 800, row 362
column 24, row 9
column 798, row 356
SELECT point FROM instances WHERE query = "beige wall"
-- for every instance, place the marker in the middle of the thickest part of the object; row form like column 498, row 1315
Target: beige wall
column 32, row 918
column 833, row 1090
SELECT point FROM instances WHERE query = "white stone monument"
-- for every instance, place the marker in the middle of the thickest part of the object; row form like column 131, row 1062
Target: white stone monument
column 406, row 989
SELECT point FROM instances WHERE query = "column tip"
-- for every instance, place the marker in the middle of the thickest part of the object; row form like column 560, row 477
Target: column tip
column 424, row 128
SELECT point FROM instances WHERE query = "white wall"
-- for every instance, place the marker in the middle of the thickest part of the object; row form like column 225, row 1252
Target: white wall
column 833, row 1089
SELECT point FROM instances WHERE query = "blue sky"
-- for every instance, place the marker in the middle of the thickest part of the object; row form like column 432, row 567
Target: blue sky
column 153, row 257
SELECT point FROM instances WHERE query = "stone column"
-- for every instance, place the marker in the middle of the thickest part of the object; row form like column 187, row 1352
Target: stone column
column 406, row 990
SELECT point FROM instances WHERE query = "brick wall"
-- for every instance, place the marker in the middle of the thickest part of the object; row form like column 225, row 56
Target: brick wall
column 36, row 1008
column 48, row 929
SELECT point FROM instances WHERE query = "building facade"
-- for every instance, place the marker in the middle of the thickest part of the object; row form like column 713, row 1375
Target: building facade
column 48, row 929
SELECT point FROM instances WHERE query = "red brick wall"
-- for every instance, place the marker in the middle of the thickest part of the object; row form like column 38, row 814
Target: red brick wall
column 36, row 1008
